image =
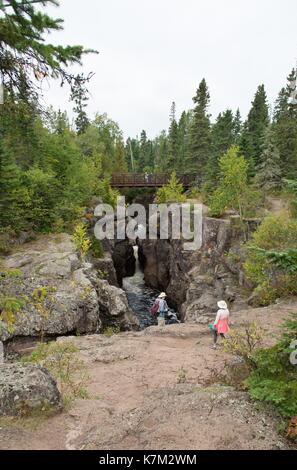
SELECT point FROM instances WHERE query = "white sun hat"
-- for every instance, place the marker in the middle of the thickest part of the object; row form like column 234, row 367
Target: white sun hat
column 162, row 295
column 222, row 304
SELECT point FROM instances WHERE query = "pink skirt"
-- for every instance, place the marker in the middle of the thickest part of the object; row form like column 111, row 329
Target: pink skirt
column 222, row 326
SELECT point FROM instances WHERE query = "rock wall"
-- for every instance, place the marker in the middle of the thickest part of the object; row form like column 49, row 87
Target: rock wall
column 194, row 280
column 60, row 295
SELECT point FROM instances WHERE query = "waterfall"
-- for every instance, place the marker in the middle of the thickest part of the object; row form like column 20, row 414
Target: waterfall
column 140, row 297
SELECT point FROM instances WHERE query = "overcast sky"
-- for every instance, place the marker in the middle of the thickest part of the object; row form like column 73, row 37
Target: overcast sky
column 153, row 52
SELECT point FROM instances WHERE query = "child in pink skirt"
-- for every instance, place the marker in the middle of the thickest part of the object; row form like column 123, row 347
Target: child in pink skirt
column 221, row 324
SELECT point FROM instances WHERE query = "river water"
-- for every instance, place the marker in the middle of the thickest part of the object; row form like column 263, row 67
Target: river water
column 140, row 297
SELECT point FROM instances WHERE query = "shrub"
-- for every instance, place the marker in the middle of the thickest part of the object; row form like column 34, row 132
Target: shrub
column 97, row 248
column 61, row 361
column 243, row 343
column 109, row 331
column 274, row 378
column 173, row 191
column 233, row 187
column 108, row 194
column 9, row 308
column 42, row 301
column 292, row 187
column 271, row 257
column 81, row 240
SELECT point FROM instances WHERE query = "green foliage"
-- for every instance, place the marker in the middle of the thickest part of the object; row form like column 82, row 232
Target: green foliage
column 9, row 308
column 10, row 272
column 269, row 174
column 173, row 191
column 254, row 128
column 110, row 331
column 244, row 342
column 47, row 181
column 274, row 378
column 81, row 240
column 79, row 94
column 232, row 190
column 97, row 248
column 292, row 187
column 42, row 301
column 62, row 362
column 182, row 375
column 223, row 137
column 285, row 260
column 271, row 258
column 200, row 132
column 285, row 129
column 108, row 194
column 25, row 53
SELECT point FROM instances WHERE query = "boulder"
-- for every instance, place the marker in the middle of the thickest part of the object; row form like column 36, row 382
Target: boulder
column 27, row 389
column 70, row 292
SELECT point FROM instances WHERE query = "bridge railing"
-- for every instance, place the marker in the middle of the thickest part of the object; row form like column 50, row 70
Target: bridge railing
column 148, row 179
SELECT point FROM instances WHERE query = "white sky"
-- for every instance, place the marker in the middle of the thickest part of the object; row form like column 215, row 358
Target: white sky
column 153, row 52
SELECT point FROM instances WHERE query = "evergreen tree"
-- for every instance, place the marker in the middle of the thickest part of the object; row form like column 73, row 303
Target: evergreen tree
column 172, row 161
column 184, row 125
column 12, row 193
column 119, row 161
column 79, row 94
column 281, row 105
column 200, row 133
column 24, row 50
column 222, row 139
column 285, row 129
column 161, row 152
column 269, row 174
column 254, row 128
column 237, row 127
column 146, row 161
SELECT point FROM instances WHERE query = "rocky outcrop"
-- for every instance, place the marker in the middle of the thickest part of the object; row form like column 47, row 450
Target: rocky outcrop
column 27, row 389
column 193, row 280
column 123, row 259
column 59, row 294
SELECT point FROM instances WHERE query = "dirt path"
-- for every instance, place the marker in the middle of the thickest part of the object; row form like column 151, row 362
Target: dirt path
column 156, row 389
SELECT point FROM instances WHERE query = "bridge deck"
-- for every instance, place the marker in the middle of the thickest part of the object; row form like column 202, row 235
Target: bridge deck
column 147, row 180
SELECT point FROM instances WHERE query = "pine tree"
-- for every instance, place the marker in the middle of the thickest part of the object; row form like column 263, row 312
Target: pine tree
column 12, row 194
column 223, row 137
column 146, row 161
column 184, row 125
column 237, row 127
column 161, row 152
column 281, row 105
column 285, row 129
column 172, row 161
column 254, row 128
column 269, row 175
column 79, row 94
column 200, row 133
column 24, row 50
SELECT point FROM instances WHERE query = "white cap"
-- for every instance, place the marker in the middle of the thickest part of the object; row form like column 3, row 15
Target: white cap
column 162, row 295
column 222, row 304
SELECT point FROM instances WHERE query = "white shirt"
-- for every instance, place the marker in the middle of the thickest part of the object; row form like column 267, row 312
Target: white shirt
column 222, row 314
